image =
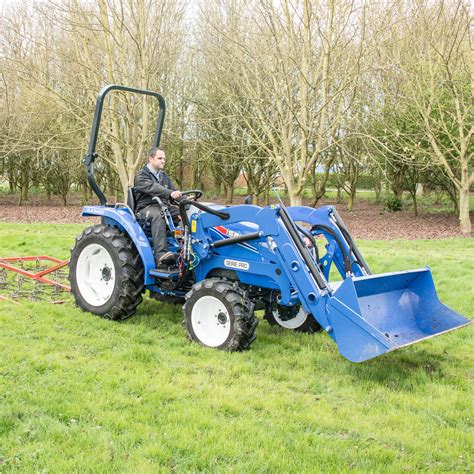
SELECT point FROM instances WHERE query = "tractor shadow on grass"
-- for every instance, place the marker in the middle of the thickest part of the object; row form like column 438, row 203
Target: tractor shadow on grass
column 399, row 371
column 156, row 315
column 403, row 370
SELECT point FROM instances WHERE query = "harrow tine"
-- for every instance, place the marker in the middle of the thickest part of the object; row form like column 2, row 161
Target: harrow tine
column 47, row 282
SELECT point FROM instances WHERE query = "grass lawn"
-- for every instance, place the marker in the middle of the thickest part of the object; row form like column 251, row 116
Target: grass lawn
column 81, row 394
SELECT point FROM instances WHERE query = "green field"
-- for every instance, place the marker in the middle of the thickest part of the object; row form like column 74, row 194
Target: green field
column 81, row 394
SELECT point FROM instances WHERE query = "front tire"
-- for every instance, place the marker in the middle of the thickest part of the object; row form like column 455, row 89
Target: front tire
column 294, row 318
column 219, row 314
column 106, row 273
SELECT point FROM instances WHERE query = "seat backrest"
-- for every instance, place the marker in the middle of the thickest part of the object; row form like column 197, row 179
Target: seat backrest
column 131, row 198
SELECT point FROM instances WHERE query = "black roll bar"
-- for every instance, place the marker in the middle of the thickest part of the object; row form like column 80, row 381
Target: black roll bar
column 91, row 153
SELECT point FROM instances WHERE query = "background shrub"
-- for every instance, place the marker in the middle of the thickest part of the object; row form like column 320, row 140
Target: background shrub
column 393, row 203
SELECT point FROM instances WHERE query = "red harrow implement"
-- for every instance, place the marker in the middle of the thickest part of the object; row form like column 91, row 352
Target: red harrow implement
column 38, row 277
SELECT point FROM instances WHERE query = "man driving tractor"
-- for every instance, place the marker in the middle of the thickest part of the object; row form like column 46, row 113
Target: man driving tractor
column 150, row 182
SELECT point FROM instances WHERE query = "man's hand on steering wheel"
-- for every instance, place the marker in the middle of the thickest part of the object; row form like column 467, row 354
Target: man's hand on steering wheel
column 176, row 195
column 192, row 194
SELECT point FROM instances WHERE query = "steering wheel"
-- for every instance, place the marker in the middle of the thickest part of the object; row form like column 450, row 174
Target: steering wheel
column 194, row 193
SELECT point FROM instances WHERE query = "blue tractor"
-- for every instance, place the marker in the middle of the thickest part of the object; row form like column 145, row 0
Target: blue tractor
column 234, row 260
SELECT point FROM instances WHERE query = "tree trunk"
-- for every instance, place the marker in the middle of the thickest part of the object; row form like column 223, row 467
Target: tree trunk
column 23, row 194
column 350, row 204
column 464, row 218
column 85, row 192
column 24, row 185
column 229, row 193
column 249, row 188
column 397, row 191
column 180, row 172
column 415, row 202
column 296, row 200
column 198, row 181
column 294, row 192
column 11, row 180
column 377, row 189
column 319, row 189
column 49, row 193
column 266, row 196
column 125, row 177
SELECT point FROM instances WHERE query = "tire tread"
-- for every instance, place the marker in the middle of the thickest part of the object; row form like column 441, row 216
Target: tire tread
column 130, row 271
column 245, row 322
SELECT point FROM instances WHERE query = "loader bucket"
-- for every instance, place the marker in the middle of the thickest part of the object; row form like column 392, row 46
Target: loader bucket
column 374, row 314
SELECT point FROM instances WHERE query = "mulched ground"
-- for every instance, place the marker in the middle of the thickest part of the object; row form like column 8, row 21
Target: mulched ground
column 367, row 221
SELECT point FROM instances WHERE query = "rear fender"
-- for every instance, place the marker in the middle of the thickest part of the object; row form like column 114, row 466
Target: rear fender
column 122, row 218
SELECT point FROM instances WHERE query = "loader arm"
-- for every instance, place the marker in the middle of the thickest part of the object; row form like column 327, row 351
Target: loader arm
column 341, row 248
column 280, row 260
column 366, row 315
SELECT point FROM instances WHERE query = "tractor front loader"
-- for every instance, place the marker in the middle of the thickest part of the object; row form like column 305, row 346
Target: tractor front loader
column 234, row 260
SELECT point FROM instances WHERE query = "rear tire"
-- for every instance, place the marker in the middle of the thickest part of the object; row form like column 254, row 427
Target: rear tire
column 219, row 314
column 106, row 273
column 294, row 318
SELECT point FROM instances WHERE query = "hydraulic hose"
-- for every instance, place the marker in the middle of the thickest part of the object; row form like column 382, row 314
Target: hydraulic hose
column 346, row 257
column 293, row 231
column 312, row 239
column 359, row 258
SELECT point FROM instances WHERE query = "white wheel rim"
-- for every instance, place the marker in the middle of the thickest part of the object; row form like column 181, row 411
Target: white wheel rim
column 210, row 321
column 95, row 275
column 293, row 323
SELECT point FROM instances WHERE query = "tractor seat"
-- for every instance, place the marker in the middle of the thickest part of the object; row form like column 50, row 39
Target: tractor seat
column 142, row 220
column 131, row 199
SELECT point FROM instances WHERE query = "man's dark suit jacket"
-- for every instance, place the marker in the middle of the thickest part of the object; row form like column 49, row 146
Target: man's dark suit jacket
column 147, row 186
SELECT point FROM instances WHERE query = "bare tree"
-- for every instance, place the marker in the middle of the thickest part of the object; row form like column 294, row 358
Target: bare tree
column 81, row 46
column 443, row 92
column 291, row 64
column 427, row 73
column 348, row 166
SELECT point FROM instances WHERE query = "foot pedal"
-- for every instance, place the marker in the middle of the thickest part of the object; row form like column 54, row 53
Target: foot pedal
column 168, row 259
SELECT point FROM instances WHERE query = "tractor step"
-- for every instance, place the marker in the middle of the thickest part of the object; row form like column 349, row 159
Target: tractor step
column 171, row 273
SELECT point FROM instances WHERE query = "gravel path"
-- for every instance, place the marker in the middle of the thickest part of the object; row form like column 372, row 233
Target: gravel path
column 367, row 221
